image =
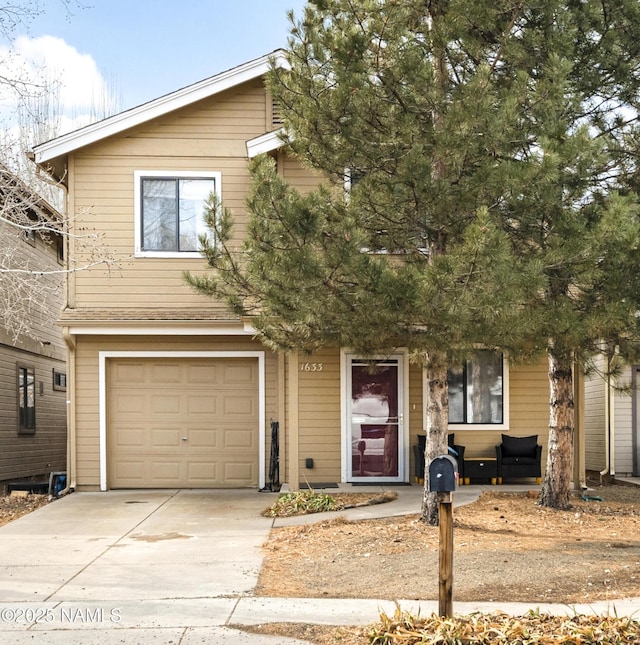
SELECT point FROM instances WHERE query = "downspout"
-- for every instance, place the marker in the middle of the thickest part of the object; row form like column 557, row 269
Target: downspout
column 612, row 430
column 71, row 412
column 609, row 436
column 579, row 463
column 70, row 341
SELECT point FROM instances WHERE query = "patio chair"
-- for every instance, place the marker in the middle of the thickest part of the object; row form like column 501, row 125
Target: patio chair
column 519, row 457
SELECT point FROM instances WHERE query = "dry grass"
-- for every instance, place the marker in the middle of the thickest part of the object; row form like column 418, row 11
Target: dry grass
column 477, row 629
column 501, row 629
column 306, row 502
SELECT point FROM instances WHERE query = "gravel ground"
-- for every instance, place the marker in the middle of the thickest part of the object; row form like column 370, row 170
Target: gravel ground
column 17, row 504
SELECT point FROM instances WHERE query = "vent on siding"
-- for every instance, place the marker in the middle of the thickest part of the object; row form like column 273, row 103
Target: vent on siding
column 277, row 120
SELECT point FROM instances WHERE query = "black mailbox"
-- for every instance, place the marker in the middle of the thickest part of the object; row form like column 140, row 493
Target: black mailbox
column 442, row 474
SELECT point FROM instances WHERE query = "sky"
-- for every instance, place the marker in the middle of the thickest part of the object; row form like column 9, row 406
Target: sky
column 127, row 52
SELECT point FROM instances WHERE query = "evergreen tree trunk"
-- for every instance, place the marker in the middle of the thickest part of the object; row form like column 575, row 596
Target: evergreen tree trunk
column 438, row 390
column 557, row 480
column 437, row 420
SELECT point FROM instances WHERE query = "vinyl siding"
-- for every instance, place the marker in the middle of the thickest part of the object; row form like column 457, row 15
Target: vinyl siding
column 623, row 428
column 210, row 135
column 304, row 179
column 595, row 423
column 319, row 416
column 416, row 416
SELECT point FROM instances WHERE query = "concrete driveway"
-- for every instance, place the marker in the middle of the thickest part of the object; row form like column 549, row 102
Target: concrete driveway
column 135, row 566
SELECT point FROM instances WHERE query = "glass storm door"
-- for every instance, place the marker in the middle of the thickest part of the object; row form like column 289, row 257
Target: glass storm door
column 375, row 420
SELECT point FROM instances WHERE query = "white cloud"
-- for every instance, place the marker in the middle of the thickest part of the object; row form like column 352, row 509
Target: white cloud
column 79, row 78
column 81, row 90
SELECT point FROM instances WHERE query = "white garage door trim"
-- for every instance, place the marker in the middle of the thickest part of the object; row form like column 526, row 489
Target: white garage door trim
column 102, row 370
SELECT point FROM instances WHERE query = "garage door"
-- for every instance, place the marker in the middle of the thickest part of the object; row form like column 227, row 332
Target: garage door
column 182, row 423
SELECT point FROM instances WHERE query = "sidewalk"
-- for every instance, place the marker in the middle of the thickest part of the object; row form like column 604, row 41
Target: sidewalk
column 178, row 567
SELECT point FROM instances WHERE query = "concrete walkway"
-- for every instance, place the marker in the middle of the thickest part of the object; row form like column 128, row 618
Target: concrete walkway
column 177, row 567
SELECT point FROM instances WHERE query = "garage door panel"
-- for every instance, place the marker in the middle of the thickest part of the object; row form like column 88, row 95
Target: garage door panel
column 234, row 439
column 202, row 472
column 162, row 438
column 238, row 406
column 203, row 438
column 130, row 471
column 131, row 404
column 236, row 472
column 239, row 374
column 183, row 423
column 127, row 438
column 163, row 373
column 201, row 404
column 166, row 469
column 130, row 372
column 202, row 374
column 166, row 404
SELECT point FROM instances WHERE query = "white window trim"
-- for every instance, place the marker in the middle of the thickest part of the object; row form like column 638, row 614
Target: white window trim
column 104, row 356
column 452, row 427
column 137, row 211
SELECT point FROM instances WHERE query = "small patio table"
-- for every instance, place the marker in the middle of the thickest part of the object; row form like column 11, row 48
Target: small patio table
column 480, row 468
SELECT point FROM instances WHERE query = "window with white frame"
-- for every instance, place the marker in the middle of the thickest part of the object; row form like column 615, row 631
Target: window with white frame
column 170, row 210
column 477, row 390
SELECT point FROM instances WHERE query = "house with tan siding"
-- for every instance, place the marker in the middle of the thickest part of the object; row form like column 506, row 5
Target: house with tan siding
column 33, row 371
column 167, row 388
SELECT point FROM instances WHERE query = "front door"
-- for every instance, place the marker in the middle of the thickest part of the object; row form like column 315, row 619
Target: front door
column 375, row 419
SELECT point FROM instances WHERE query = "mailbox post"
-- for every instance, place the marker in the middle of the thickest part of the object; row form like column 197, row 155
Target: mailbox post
column 442, row 481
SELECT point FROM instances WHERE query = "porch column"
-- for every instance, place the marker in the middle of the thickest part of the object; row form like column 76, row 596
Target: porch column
column 282, row 414
column 293, row 425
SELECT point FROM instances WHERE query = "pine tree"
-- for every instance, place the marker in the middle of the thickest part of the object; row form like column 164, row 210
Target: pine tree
column 461, row 129
column 583, row 62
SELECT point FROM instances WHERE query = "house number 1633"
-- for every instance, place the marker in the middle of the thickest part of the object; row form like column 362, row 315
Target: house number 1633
column 311, row 367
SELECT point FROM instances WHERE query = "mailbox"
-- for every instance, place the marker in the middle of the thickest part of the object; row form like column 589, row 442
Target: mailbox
column 442, row 474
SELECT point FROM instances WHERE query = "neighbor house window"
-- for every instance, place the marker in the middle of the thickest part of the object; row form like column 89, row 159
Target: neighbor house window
column 59, row 380
column 26, row 400
column 170, row 211
column 60, row 249
column 30, row 236
column 477, row 390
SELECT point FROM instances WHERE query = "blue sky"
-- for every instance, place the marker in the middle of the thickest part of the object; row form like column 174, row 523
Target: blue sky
column 143, row 49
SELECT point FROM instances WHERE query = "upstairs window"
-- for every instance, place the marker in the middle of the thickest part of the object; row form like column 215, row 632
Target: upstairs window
column 170, row 210
column 477, row 390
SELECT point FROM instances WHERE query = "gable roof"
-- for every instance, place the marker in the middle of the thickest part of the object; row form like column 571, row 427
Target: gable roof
column 52, row 154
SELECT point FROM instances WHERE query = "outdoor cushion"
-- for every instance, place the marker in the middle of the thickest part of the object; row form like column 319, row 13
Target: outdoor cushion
column 519, row 446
